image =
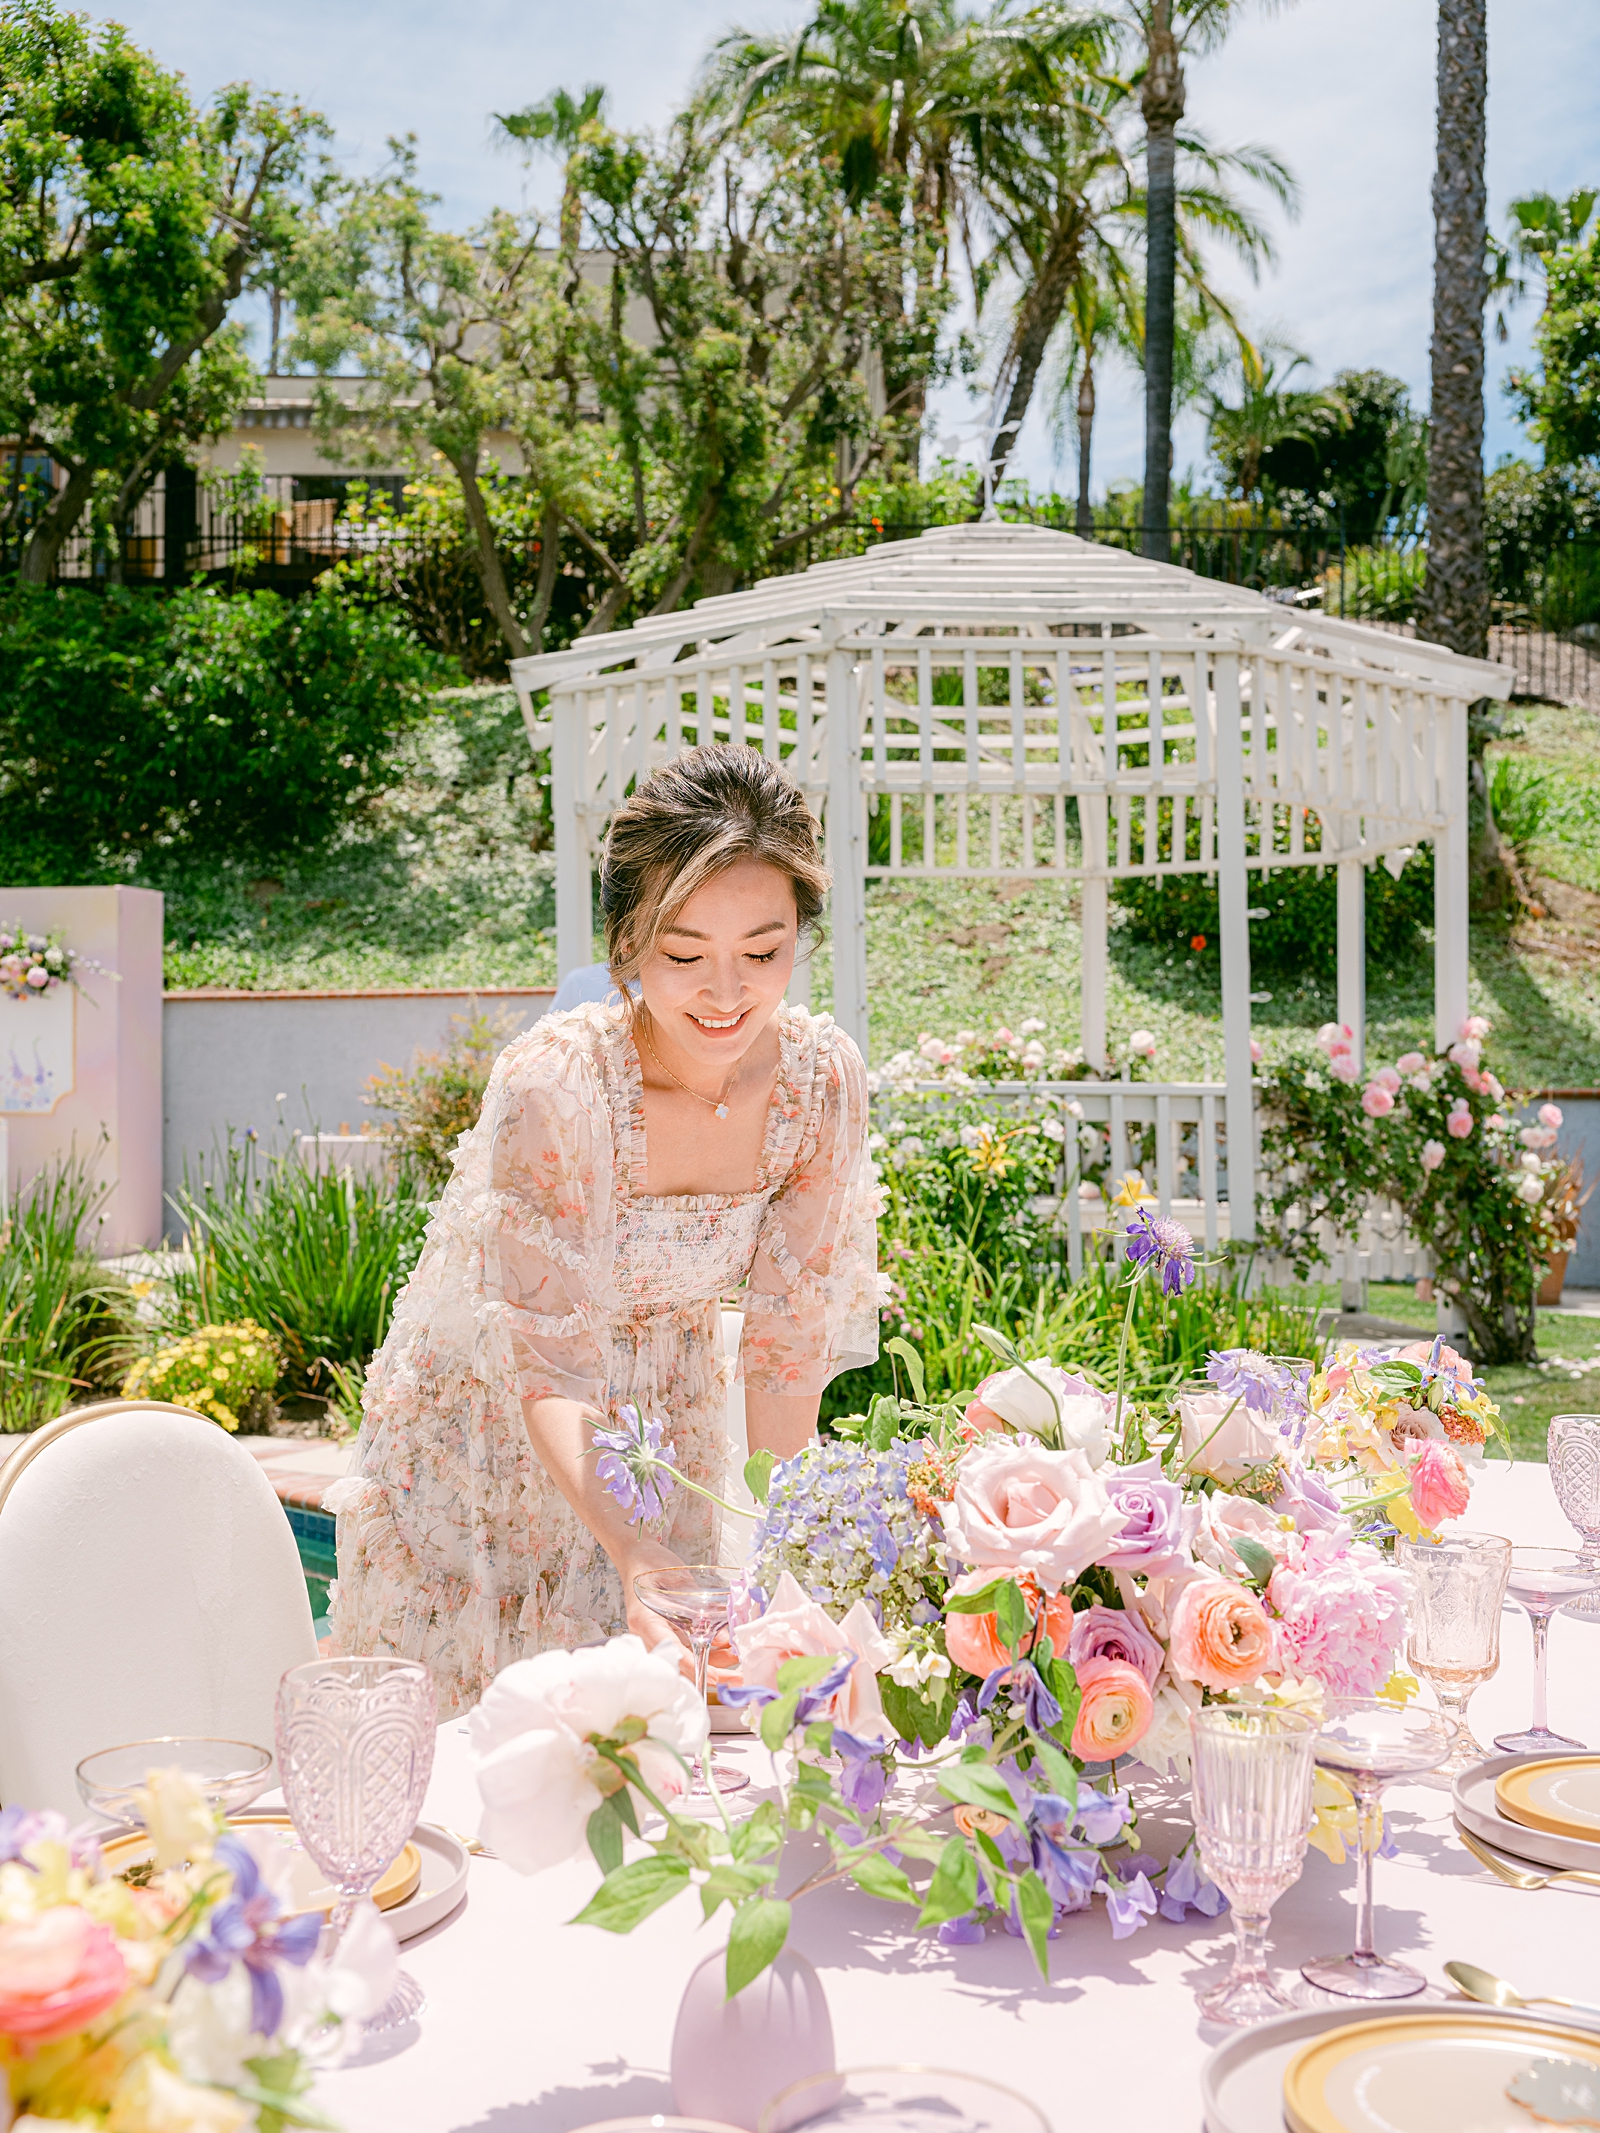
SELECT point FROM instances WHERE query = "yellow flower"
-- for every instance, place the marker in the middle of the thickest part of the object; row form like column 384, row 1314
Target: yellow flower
column 1400, row 1688
column 175, row 1811
column 1130, row 1190
column 151, row 2098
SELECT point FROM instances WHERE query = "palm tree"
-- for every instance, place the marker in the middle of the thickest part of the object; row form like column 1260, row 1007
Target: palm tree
column 1541, row 226
column 1456, row 593
column 1271, row 411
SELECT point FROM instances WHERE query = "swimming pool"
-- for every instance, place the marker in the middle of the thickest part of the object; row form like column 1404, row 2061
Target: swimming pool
column 313, row 1532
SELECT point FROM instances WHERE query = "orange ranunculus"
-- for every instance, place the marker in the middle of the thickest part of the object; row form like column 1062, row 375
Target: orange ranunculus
column 1220, row 1635
column 58, row 1971
column 1115, row 1713
column 973, row 1641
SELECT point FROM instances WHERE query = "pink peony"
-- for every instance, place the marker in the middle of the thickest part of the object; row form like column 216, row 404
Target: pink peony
column 1376, row 1100
column 795, row 1627
column 1388, row 1078
column 1339, row 1616
column 1550, row 1114
column 58, row 1971
column 1459, row 1124
column 1018, row 1507
column 1433, row 1154
column 1410, row 1063
column 1439, row 1485
column 1220, row 1637
column 1102, row 1633
column 1342, row 1066
column 1115, row 1713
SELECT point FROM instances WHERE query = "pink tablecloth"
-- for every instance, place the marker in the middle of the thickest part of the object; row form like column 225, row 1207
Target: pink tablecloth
column 533, row 2026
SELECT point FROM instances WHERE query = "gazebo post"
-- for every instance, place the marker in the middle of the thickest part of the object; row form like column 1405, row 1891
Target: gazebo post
column 845, row 846
column 1450, row 915
column 1233, row 927
column 1351, row 908
column 1094, row 915
column 574, row 892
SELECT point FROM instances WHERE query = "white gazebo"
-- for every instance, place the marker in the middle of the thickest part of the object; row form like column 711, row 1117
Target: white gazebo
column 941, row 699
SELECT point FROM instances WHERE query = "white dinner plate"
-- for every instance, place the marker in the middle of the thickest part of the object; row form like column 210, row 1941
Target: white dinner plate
column 443, row 1884
column 1478, row 1810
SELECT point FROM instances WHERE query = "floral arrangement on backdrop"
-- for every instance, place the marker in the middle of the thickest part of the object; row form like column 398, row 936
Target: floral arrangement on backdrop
column 956, row 1632
column 196, row 1999
column 35, row 963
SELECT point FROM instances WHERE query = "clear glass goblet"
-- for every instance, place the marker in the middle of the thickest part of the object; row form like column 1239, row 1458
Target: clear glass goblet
column 1458, row 1588
column 1367, row 1742
column 1574, row 1455
column 1252, row 1813
column 693, row 1597
column 355, row 1751
column 1542, row 1581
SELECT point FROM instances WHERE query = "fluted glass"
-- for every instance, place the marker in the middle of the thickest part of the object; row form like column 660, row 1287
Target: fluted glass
column 1252, row 1814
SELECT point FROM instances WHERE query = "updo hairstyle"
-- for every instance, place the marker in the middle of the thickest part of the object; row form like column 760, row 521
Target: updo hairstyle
column 702, row 813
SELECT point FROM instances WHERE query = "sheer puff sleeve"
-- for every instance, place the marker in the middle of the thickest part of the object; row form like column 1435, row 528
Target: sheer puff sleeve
column 814, row 1291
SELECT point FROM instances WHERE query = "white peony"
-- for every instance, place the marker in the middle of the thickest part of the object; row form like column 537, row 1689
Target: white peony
column 1165, row 1746
column 537, row 1764
column 1022, row 1400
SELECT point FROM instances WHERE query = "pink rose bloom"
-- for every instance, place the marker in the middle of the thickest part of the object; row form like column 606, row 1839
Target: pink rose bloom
column 1421, row 1083
column 973, row 1641
column 1342, row 1066
column 1550, row 1114
column 1102, row 1633
column 1222, row 1518
column 1433, row 1154
column 1018, row 1507
column 1388, row 1078
column 38, row 978
column 1475, row 1028
column 1459, row 1124
column 1339, row 1615
column 1115, row 1713
column 1410, row 1063
column 1467, row 1054
column 1255, row 1051
column 1335, row 1036
column 1439, row 1485
column 1495, row 1118
column 795, row 1627
column 1220, row 1636
column 59, row 1970
column 1376, row 1100
column 1222, row 1444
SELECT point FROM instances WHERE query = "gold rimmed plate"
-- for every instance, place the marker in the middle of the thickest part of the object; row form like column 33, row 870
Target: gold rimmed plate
column 1559, row 1794
column 1478, row 1807
column 309, row 1888
column 1423, row 2072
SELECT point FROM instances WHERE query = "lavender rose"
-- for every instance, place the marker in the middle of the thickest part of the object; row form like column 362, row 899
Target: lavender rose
column 1112, row 1633
column 1157, row 1524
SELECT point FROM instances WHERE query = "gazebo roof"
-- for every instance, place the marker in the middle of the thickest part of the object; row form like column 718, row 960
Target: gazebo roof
column 1027, row 580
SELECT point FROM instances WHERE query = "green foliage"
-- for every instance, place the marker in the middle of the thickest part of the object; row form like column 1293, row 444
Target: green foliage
column 1381, row 583
column 67, row 1325
column 1561, row 402
column 1364, row 465
column 440, row 1096
column 204, row 724
column 224, row 1371
column 1522, row 801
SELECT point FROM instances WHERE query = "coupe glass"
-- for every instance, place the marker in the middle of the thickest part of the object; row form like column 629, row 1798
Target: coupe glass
column 355, row 1750
column 1574, row 1455
column 693, row 1597
column 1252, row 1812
column 1366, row 1742
column 900, row 2099
column 231, row 1773
column 1543, row 1580
column 1458, row 1588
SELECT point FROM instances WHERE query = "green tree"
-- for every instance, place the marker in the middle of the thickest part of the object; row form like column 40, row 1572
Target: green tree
column 1541, row 227
column 1561, row 401
column 1372, row 467
column 1271, row 412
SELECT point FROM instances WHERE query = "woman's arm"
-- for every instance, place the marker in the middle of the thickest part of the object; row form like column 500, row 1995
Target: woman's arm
column 782, row 1423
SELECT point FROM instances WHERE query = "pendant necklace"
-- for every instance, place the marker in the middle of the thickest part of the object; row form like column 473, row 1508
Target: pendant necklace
column 718, row 1104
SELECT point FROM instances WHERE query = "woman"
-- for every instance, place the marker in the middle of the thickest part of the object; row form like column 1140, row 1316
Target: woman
column 632, row 1165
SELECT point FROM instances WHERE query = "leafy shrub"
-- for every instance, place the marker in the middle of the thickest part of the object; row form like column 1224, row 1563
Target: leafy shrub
column 67, row 1325
column 1522, row 801
column 441, row 1096
column 226, row 1372
column 1379, row 584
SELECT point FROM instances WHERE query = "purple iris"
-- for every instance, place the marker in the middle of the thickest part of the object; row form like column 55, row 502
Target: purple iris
column 633, row 1464
column 1158, row 1244
column 248, row 1927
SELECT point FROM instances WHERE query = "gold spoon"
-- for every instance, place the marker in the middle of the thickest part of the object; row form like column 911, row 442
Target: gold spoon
column 1493, row 1991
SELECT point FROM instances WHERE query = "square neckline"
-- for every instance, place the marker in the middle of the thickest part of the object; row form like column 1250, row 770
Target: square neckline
column 781, row 1108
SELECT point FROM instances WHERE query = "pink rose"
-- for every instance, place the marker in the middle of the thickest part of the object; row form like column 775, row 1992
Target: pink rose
column 1433, row 1154
column 1102, row 1633
column 1376, row 1100
column 1115, row 1713
column 1222, row 1519
column 1220, row 1635
column 1550, row 1114
column 1410, row 1063
column 794, row 1627
column 1342, row 1066
column 1018, row 1507
column 1226, row 1445
column 1256, row 1054
column 38, row 978
column 1475, row 1028
column 1388, row 1078
column 1335, row 1036
column 1439, row 1485
column 1467, row 1054
column 1459, row 1124
column 58, row 1971
column 973, row 1641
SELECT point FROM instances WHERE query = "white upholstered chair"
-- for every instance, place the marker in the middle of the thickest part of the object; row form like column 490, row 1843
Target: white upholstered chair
column 149, row 1584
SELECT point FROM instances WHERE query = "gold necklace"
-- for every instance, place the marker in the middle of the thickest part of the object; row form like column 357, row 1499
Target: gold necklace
column 718, row 1104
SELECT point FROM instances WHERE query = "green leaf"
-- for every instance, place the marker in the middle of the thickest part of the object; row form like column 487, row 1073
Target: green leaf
column 760, row 1928
column 819, row 1736
column 801, row 1673
column 913, row 1362
column 731, row 1884
column 633, row 1892
column 282, row 2081
column 605, row 1834
column 883, row 1421
column 881, row 1877
column 1036, row 1913
column 758, row 1474
column 1059, row 1769
column 759, row 1833
column 777, row 1720
column 976, row 1785
column 1395, row 1376
column 954, row 1888
column 976, row 1603
column 1258, row 1559
column 623, row 1803
column 915, row 1716
column 921, row 1844
column 1011, row 1615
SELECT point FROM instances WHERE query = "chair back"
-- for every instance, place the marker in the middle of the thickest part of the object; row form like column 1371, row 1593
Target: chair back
column 149, row 1584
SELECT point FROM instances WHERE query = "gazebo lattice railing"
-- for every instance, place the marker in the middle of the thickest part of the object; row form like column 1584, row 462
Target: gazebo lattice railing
column 942, row 700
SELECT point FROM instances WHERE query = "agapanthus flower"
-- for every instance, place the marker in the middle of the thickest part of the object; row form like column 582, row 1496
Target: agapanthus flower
column 248, row 1927
column 634, row 1464
column 1156, row 1243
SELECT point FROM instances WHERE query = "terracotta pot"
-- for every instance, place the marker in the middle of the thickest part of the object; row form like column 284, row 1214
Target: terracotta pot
column 730, row 2057
column 1553, row 1283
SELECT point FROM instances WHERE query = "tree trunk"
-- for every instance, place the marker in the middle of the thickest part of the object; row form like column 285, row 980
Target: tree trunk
column 1042, row 306
column 1456, row 596
column 1162, row 104
column 489, row 568
column 1085, row 519
column 52, row 527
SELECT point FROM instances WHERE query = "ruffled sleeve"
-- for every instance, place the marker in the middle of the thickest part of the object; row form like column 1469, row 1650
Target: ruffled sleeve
column 814, row 1291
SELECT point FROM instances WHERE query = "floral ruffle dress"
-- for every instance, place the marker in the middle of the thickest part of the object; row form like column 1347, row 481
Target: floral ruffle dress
column 548, row 1270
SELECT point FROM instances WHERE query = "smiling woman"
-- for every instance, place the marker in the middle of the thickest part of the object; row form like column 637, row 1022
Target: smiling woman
column 633, row 1165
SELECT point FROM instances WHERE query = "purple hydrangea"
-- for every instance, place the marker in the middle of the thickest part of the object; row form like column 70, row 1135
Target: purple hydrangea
column 840, row 1517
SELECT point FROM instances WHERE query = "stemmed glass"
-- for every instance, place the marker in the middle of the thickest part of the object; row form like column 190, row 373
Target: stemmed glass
column 355, row 1751
column 693, row 1597
column 1366, row 1742
column 1574, row 1455
column 1543, row 1580
column 1458, row 1587
column 230, row 1773
column 1252, row 1813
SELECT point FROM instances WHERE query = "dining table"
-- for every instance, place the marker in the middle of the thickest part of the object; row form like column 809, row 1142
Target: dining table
column 535, row 2025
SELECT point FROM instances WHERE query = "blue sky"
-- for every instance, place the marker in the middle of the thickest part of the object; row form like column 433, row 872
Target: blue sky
column 1342, row 89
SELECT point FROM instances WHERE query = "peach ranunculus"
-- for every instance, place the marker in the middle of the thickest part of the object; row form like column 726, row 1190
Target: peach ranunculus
column 58, row 1971
column 1018, row 1507
column 1439, row 1485
column 1115, row 1713
column 973, row 1641
column 1225, row 1446
column 1220, row 1635
column 794, row 1627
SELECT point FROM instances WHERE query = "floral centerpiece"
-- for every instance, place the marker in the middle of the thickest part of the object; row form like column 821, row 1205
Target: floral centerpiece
column 186, row 1994
column 35, row 963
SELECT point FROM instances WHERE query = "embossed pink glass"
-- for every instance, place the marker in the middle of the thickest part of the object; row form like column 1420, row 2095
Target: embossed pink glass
column 355, row 1751
column 1574, row 1455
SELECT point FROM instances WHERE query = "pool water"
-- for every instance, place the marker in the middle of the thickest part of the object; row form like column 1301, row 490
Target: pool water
column 313, row 1532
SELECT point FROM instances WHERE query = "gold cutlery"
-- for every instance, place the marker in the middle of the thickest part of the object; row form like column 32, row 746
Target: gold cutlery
column 1492, row 1991
column 1518, row 1877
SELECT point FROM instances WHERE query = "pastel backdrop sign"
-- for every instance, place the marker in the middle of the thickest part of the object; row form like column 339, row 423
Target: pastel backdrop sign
column 38, row 1053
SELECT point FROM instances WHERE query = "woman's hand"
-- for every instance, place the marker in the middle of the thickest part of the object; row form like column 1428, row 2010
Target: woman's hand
column 650, row 1628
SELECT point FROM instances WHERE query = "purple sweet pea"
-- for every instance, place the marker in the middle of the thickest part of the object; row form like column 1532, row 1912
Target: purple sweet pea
column 1157, row 1523
column 1185, row 1887
column 247, row 1927
column 1112, row 1633
column 963, row 1932
column 1129, row 1904
column 1157, row 1244
column 1103, row 1816
column 865, row 1778
column 1307, row 1499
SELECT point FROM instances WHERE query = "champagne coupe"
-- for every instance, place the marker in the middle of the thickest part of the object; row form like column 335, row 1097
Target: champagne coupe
column 355, row 1751
column 1574, row 1455
column 1543, row 1580
column 900, row 2099
column 693, row 1597
column 229, row 1773
column 1366, row 1742
column 1252, row 1813
column 1458, row 1587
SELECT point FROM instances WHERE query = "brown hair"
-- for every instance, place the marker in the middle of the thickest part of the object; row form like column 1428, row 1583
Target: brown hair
column 702, row 813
